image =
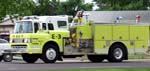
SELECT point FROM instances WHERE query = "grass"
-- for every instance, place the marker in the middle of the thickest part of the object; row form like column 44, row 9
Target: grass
column 138, row 56
column 132, row 56
column 101, row 70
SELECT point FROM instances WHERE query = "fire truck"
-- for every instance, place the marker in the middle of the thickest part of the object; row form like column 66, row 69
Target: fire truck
column 99, row 35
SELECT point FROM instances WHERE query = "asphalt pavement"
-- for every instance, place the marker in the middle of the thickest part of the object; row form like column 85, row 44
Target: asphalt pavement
column 19, row 65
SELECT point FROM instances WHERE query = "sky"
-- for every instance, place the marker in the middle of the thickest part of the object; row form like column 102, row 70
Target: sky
column 88, row 1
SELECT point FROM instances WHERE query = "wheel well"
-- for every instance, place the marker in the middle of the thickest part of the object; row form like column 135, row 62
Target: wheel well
column 126, row 50
column 52, row 43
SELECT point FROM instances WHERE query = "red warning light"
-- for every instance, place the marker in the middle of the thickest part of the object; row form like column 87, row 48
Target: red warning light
column 80, row 14
column 138, row 17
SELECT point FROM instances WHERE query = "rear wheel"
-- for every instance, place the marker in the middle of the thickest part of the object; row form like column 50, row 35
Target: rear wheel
column 30, row 58
column 116, row 53
column 7, row 57
column 50, row 54
column 95, row 58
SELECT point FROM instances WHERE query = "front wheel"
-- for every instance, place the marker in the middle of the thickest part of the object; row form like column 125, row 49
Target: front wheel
column 50, row 54
column 30, row 58
column 7, row 57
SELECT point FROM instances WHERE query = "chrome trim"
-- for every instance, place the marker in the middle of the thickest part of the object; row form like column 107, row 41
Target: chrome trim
column 19, row 46
column 15, row 50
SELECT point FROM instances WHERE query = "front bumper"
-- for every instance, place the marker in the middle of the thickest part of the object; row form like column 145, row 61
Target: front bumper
column 15, row 50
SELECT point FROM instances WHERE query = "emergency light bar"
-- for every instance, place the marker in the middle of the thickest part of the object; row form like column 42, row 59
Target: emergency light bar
column 30, row 17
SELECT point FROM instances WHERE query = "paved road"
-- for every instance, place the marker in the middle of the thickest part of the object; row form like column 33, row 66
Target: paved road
column 71, row 64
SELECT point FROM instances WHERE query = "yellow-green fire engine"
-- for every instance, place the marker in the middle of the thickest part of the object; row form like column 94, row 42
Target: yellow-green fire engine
column 99, row 35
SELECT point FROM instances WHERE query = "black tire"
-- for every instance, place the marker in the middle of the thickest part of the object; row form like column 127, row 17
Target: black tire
column 7, row 57
column 116, row 53
column 50, row 54
column 95, row 58
column 30, row 58
column 1, row 58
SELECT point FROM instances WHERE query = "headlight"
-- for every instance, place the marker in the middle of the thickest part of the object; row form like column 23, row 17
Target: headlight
column 11, row 40
column 27, row 40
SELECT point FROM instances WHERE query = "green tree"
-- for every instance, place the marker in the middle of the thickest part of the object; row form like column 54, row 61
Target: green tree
column 25, row 7
column 12, row 7
column 70, row 7
column 122, row 4
column 56, row 7
column 41, row 7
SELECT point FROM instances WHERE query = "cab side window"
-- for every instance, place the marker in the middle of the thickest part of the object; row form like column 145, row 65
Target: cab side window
column 44, row 26
column 50, row 26
column 36, row 27
column 62, row 24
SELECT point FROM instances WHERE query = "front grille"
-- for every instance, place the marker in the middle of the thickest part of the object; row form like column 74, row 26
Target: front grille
column 18, row 40
column 19, row 46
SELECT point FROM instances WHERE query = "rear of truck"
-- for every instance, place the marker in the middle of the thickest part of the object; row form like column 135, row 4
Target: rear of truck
column 114, row 34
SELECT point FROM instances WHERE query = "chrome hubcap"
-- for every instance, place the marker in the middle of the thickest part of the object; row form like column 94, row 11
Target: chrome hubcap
column 8, row 57
column 118, row 53
column 51, row 54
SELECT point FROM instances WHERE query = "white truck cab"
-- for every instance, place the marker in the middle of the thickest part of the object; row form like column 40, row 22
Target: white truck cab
column 32, row 32
column 30, row 24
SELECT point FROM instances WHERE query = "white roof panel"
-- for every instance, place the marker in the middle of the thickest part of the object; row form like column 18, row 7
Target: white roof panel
column 110, row 16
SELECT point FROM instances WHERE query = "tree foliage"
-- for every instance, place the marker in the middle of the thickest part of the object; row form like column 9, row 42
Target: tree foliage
column 45, row 7
column 72, row 6
column 55, row 7
column 68, row 7
column 123, row 4
column 13, row 7
column 41, row 7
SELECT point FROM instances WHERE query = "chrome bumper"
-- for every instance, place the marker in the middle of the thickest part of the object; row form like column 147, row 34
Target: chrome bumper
column 15, row 50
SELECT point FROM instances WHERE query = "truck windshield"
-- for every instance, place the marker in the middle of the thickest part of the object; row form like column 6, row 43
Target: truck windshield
column 23, row 27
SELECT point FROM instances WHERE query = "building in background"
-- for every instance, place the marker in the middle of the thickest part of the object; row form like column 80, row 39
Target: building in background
column 6, row 28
